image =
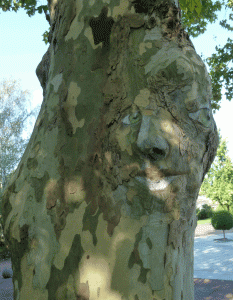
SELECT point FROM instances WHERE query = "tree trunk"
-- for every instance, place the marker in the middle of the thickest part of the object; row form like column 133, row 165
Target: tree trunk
column 103, row 202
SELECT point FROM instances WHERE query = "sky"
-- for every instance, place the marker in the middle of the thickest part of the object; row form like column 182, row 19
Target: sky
column 22, row 49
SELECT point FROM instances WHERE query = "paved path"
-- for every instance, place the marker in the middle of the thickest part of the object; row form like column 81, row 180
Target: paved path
column 217, row 264
column 213, row 289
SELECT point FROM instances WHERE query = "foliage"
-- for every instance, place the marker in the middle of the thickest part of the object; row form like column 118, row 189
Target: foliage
column 220, row 67
column 7, row 273
column 13, row 115
column 28, row 5
column 31, row 9
column 222, row 220
column 195, row 13
column 195, row 22
column 221, row 70
column 218, row 182
column 205, row 213
column 224, row 208
column 46, row 36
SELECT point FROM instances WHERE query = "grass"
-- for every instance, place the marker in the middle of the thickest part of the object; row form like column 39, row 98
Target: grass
column 206, row 221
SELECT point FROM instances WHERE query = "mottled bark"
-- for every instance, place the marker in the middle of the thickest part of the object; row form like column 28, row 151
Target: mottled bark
column 102, row 205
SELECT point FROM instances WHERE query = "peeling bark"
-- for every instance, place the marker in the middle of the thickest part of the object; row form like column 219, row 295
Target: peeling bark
column 103, row 202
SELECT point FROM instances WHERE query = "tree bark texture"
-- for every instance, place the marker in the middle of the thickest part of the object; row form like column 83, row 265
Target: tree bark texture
column 103, row 202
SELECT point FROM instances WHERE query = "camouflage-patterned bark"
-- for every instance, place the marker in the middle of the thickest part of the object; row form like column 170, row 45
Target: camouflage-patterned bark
column 102, row 205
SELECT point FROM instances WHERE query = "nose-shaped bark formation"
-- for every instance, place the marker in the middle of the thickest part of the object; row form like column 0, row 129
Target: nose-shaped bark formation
column 150, row 142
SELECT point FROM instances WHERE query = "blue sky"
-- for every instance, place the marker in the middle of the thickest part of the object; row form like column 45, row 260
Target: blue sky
column 22, row 49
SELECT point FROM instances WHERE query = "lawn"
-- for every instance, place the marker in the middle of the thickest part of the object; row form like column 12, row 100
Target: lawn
column 207, row 221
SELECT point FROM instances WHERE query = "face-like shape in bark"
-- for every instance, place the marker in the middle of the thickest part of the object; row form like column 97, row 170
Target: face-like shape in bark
column 164, row 142
column 160, row 140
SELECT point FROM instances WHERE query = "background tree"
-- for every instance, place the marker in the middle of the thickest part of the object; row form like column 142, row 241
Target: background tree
column 195, row 22
column 220, row 63
column 14, row 117
column 218, row 183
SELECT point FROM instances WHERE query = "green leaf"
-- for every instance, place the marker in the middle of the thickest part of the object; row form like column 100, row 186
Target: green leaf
column 191, row 5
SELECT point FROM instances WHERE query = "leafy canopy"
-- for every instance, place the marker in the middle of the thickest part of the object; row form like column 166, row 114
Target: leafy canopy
column 194, row 11
column 13, row 115
column 218, row 182
column 220, row 64
column 28, row 5
column 195, row 21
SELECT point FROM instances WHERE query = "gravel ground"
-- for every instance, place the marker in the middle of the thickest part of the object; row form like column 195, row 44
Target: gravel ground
column 208, row 229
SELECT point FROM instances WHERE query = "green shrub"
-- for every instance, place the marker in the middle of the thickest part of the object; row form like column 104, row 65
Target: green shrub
column 7, row 273
column 222, row 220
column 205, row 213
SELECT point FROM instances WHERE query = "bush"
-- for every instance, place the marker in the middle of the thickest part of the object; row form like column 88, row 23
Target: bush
column 7, row 273
column 222, row 220
column 205, row 213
